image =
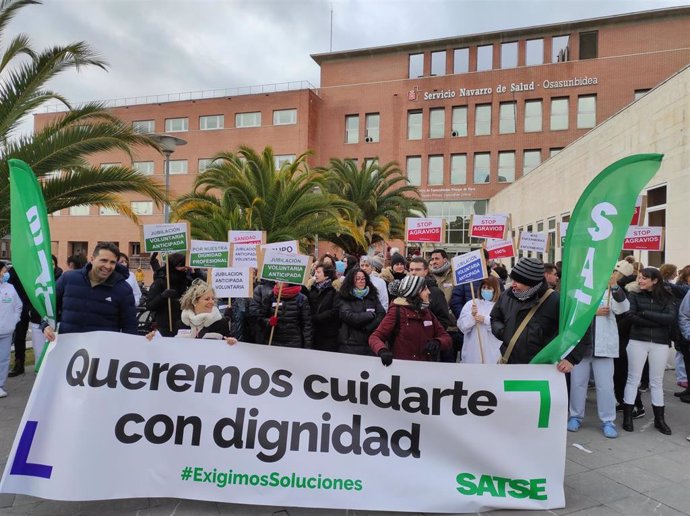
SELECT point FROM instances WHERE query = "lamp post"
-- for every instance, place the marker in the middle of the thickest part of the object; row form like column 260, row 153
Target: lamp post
column 167, row 144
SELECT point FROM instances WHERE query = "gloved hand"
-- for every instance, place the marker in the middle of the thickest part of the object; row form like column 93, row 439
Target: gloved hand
column 386, row 356
column 168, row 293
column 432, row 347
column 273, row 321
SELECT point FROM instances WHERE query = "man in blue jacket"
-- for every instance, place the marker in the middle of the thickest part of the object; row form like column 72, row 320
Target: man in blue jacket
column 96, row 297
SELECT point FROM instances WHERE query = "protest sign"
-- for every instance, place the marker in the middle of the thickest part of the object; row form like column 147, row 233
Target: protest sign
column 500, row 248
column 207, row 254
column 165, row 238
column 233, row 282
column 469, row 267
column 561, row 230
column 538, row 242
column 246, row 237
column 243, row 255
column 285, row 267
column 288, row 246
column 489, row 226
column 425, row 230
column 640, row 210
column 257, row 425
column 640, row 238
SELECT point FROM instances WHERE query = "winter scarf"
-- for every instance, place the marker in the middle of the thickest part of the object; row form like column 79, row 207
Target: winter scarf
column 288, row 291
column 441, row 270
column 524, row 296
column 199, row 321
column 360, row 293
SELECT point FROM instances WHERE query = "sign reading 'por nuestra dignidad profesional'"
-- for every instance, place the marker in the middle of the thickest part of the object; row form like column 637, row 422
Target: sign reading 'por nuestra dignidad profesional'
column 207, row 254
column 165, row 238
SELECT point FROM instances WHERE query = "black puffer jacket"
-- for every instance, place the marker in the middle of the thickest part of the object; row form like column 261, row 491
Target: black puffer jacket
column 358, row 319
column 294, row 328
column 255, row 316
column 324, row 316
column 159, row 305
column 651, row 320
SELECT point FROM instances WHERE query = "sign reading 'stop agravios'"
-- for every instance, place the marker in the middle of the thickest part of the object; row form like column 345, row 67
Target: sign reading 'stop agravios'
column 420, row 230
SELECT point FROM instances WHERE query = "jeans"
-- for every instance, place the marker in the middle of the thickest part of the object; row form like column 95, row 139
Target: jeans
column 603, row 378
column 5, row 346
column 656, row 354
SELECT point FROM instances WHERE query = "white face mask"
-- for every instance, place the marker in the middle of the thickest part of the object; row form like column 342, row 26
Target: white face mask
column 487, row 295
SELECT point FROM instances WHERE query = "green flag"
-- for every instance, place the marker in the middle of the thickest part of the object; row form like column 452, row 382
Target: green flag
column 593, row 243
column 30, row 233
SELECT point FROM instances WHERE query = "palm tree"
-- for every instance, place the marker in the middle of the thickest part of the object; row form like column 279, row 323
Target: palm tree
column 58, row 153
column 244, row 190
column 383, row 197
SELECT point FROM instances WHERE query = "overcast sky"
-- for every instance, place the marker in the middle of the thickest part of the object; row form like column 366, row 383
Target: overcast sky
column 168, row 46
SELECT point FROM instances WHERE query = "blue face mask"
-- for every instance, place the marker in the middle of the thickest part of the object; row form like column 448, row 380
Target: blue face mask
column 6, row 277
column 487, row 295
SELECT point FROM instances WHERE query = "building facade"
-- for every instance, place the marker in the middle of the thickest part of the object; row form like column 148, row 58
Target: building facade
column 464, row 117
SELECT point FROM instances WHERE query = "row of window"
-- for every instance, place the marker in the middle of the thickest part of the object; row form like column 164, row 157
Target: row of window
column 216, row 122
column 480, row 167
column 483, row 55
column 138, row 207
column 181, row 166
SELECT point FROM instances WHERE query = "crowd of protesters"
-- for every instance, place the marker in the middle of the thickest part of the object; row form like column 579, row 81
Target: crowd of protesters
column 393, row 308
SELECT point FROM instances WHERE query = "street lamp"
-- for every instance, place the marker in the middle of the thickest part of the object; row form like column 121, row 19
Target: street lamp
column 167, row 144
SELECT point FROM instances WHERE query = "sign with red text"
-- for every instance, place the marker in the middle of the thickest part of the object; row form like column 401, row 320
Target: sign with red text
column 641, row 238
column 640, row 209
column 498, row 248
column 561, row 231
column 489, row 226
column 246, row 237
column 538, row 242
column 425, row 230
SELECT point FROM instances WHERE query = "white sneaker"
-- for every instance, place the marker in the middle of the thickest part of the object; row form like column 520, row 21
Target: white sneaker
column 3, row 393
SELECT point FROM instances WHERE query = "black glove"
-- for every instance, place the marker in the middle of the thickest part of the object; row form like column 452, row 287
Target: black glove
column 168, row 293
column 386, row 356
column 432, row 347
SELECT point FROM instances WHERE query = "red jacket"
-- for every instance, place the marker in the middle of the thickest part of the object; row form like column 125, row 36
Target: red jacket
column 414, row 331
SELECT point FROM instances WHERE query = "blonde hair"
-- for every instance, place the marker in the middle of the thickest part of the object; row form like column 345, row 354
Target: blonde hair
column 194, row 293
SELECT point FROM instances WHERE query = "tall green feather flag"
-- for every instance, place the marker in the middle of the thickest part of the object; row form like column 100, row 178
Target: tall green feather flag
column 30, row 233
column 593, row 243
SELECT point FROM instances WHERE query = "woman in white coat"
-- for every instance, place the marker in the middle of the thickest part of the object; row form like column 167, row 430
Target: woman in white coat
column 10, row 312
column 474, row 321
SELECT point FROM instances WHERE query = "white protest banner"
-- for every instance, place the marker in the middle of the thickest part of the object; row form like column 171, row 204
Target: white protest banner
column 562, row 230
column 286, row 267
column 270, row 425
column 469, row 267
column 425, row 230
column 246, row 237
column 243, row 255
column 165, row 238
column 288, row 246
column 538, row 242
column 640, row 210
column 500, row 248
column 640, row 238
column 489, row 226
column 207, row 254
column 232, row 282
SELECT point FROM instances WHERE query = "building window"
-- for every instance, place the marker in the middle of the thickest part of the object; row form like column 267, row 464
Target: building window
column 134, row 250
column 144, row 167
column 414, row 125
column 560, row 51
column 533, row 116
column 243, row 120
column 485, row 57
column 586, row 111
column 211, row 122
column 534, row 52
column 103, row 166
column 204, row 164
column 438, row 63
column 461, row 60
column 178, row 166
column 78, row 248
column 176, row 125
column 280, row 159
column 457, row 214
column 509, row 55
column 414, row 170
column 507, row 117
column 285, row 117
column 554, row 150
column 482, row 120
column 506, row 167
column 588, row 44
column 352, row 129
column 435, row 170
column 144, row 126
column 80, row 211
column 416, row 68
column 370, row 162
column 640, row 93
column 142, row 207
column 459, row 121
column 372, row 123
column 531, row 159
column 437, row 122
column 482, row 170
column 559, row 114
column 458, row 169
column 107, row 212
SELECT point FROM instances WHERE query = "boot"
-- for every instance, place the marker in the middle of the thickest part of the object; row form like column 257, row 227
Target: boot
column 686, row 392
column 659, row 422
column 627, row 417
column 17, row 369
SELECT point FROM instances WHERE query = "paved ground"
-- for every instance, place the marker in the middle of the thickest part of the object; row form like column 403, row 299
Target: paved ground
column 642, row 473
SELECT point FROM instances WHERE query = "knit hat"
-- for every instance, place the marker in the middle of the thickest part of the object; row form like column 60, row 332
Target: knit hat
column 375, row 261
column 176, row 260
column 528, row 271
column 410, row 286
column 624, row 267
column 397, row 258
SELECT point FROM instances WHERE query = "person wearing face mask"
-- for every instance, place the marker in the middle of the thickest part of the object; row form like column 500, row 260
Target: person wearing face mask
column 475, row 323
column 10, row 313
